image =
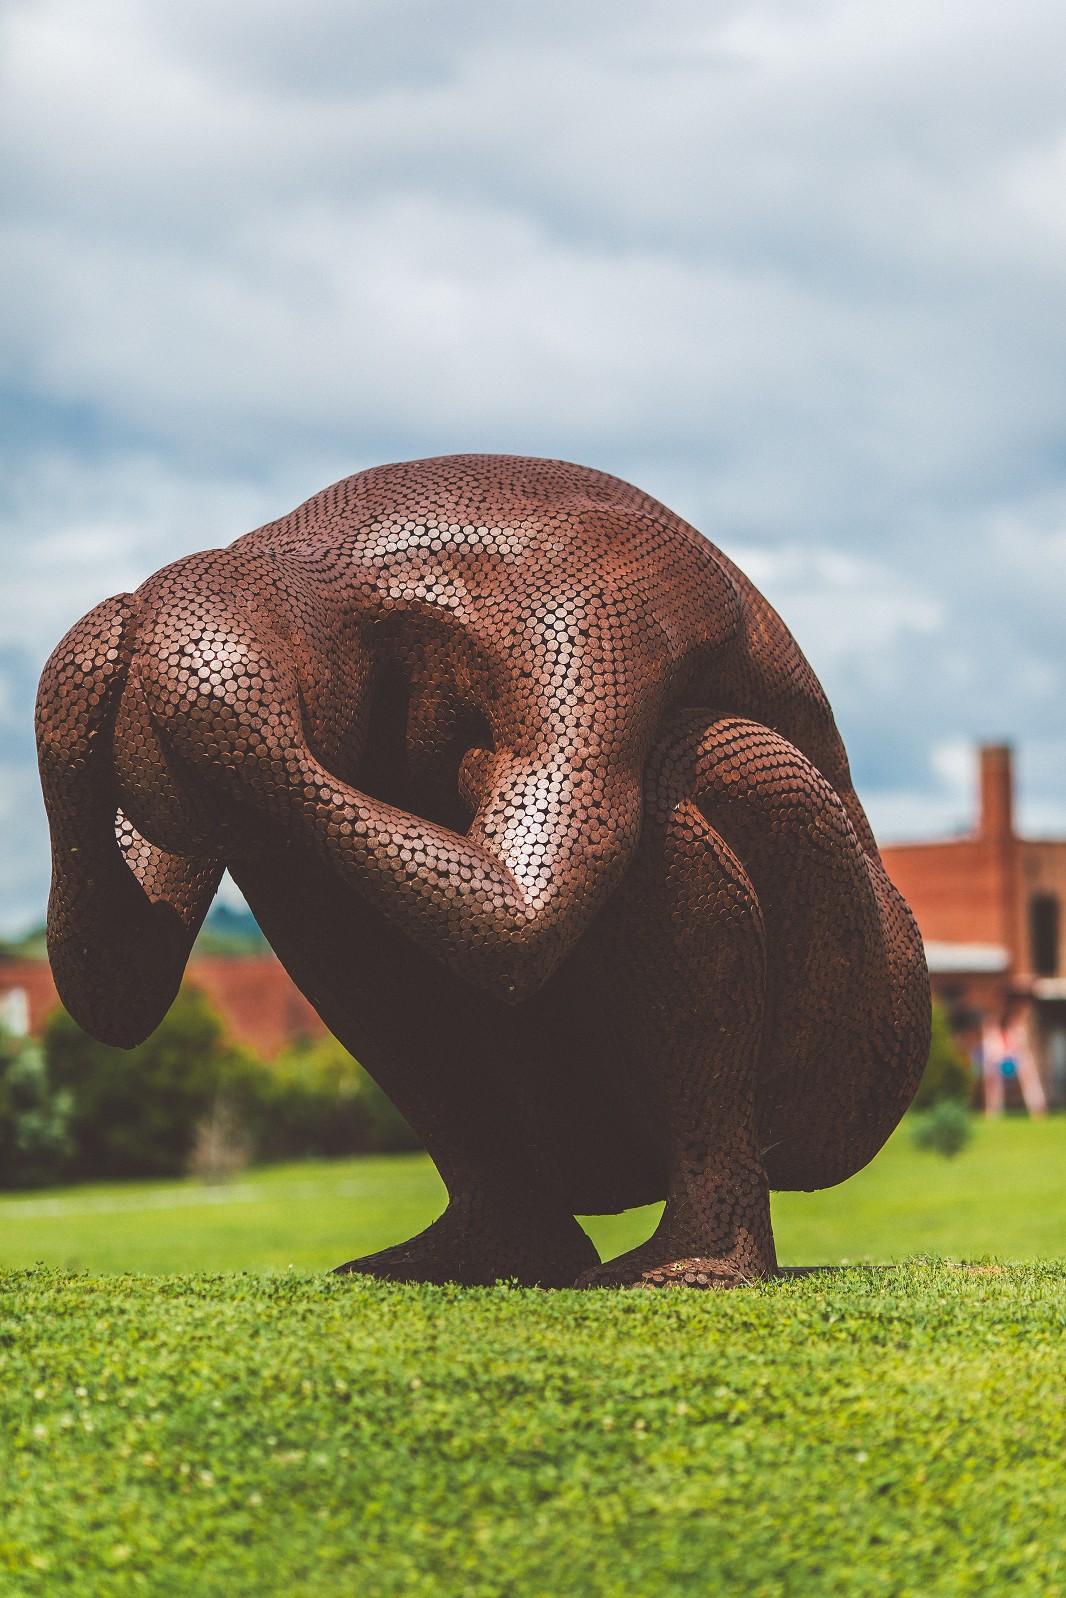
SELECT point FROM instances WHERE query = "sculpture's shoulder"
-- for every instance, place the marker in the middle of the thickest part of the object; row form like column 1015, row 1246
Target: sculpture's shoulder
column 479, row 497
column 502, row 521
column 464, row 491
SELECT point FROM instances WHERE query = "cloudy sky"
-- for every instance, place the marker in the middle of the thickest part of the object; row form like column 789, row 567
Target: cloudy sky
column 798, row 269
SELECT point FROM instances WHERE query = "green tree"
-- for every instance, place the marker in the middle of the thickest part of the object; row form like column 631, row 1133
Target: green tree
column 135, row 1112
column 35, row 1140
column 322, row 1101
column 948, row 1073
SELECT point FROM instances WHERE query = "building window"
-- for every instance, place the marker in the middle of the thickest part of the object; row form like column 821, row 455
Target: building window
column 1044, row 934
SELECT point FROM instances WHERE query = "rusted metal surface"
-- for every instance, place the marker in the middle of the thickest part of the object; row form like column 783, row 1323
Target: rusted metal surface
column 544, row 810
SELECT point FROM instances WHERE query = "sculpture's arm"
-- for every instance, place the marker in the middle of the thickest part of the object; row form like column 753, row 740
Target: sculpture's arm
column 500, row 905
column 122, row 914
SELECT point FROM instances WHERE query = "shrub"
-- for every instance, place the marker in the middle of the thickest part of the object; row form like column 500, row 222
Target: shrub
column 944, row 1129
column 135, row 1111
column 322, row 1101
column 188, row 1099
column 35, row 1140
column 948, row 1074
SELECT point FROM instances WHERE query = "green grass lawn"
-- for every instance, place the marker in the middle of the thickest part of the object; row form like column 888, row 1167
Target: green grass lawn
column 1005, row 1196
column 893, row 1432
column 883, row 1432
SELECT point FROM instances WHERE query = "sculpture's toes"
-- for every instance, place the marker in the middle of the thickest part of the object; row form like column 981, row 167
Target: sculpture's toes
column 406, row 1262
column 638, row 1269
column 475, row 1250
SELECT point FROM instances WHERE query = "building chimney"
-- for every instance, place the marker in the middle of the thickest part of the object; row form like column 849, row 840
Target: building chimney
column 996, row 817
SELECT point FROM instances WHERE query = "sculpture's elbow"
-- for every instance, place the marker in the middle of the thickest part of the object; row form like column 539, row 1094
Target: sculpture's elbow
column 119, row 1025
column 108, row 1009
column 515, row 987
column 525, row 962
column 118, row 1031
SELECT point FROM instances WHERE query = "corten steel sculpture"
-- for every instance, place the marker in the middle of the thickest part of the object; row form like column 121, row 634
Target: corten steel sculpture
column 541, row 806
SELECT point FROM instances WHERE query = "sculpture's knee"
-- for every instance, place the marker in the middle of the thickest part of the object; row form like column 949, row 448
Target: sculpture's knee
column 672, row 768
column 750, row 782
column 685, row 866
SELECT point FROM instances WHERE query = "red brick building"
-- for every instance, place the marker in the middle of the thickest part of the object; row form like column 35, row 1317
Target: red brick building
column 989, row 906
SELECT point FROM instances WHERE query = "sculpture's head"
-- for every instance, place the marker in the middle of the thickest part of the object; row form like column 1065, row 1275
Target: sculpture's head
column 474, row 768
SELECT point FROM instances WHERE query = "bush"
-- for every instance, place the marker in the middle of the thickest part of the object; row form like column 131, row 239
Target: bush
column 948, row 1075
column 188, row 1099
column 135, row 1112
column 322, row 1101
column 35, row 1140
column 945, row 1129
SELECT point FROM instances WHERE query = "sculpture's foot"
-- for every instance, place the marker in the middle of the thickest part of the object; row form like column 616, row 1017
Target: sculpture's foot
column 477, row 1246
column 658, row 1264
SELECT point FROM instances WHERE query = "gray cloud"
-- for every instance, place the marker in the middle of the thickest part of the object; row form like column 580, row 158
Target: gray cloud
column 797, row 269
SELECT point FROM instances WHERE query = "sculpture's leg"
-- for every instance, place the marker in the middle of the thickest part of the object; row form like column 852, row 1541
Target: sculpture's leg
column 452, row 1075
column 695, row 977
column 846, row 1032
column 810, row 1097
column 450, row 1059
column 483, row 1238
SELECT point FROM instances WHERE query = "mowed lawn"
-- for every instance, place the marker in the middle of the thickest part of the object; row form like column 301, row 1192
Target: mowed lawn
column 895, row 1432
column 866, row 1432
column 1004, row 1196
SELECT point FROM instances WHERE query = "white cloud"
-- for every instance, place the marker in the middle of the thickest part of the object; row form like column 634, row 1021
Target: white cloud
column 25, row 861
column 81, row 530
column 795, row 268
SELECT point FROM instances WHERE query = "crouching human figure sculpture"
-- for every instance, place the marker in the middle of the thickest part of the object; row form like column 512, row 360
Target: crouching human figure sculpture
column 541, row 806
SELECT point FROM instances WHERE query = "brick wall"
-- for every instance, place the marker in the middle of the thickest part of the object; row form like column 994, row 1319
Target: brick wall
column 956, row 889
column 978, row 889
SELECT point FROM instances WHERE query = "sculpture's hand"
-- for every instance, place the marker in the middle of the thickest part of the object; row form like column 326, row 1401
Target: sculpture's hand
column 501, row 904
column 122, row 914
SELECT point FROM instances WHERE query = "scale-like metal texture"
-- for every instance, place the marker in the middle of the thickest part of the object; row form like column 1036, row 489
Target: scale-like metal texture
column 541, row 805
